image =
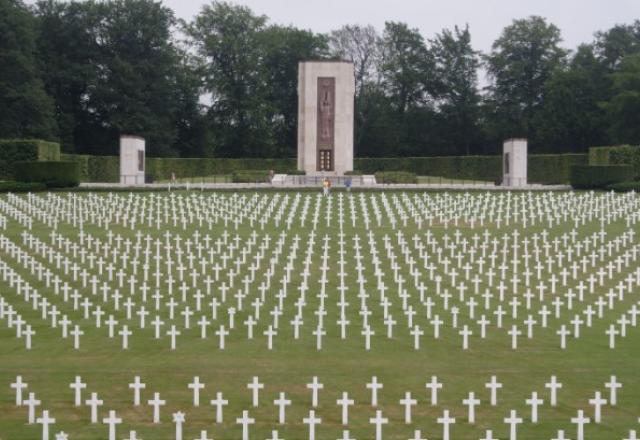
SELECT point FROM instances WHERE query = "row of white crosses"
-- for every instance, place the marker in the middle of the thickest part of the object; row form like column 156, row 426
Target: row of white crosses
column 86, row 303
column 459, row 249
column 136, row 211
column 356, row 256
column 344, row 402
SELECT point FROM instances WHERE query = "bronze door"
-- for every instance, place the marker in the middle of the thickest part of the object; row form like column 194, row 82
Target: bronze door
column 325, row 160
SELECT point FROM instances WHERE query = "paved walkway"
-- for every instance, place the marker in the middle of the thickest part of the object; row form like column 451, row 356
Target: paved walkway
column 426, row 186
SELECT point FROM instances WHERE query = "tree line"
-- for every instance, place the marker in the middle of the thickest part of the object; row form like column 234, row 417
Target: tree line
column 225, row 83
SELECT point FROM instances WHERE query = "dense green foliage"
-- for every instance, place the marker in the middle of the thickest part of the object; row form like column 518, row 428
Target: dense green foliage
column 599, row 176
column 251, row 70
column 521, row 62
column 624, row 107
column 25, row 108
column 633, row 185
column 114, row 67
column 18, row 187
column 553, row 168
column 225, row 83
column 96, row 168
column 601, row 155
column 59, row 174
column 13, row 150
column 627, row 155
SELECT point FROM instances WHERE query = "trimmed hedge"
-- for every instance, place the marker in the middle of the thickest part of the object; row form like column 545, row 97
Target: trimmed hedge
column 160, row 168
column 96, row 168
column 625, row 186
column 14, row 150
column 599, row 176
column 627, row 155
column 601, row 155
column 461, row 167
column 16, row 187
column 543, row 168
column 250, row 176
column 107, row 168
column 396, row 177
column 51, row 174
column 553, row 169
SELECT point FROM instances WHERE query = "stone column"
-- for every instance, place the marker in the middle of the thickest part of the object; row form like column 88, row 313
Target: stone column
column 132, row 158
column 514, row 163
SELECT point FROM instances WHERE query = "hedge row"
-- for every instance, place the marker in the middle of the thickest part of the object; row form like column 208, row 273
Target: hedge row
column 625, row 186
column 96, row 168
column 19, row 187
column 461, row 167
column 53, row 174
column 546, row 168
column 15, row 150
column 627, row 155
column 542, row 168
column 396, row 177
column 553, row 168
column 107, row 168
column 160, row 168
column 599, row 176
column 601, row 155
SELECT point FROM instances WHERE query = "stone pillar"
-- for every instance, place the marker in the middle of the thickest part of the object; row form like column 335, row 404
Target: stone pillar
column 514, row 162
column 132, row 151
column 326, row 93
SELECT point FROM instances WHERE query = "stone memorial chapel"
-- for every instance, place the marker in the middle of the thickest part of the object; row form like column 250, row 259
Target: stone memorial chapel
column 326, row 92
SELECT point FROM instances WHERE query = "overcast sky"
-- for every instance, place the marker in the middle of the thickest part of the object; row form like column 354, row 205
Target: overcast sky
column 577, row 19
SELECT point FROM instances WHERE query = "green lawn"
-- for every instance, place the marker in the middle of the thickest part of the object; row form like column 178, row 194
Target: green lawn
column 341, row 365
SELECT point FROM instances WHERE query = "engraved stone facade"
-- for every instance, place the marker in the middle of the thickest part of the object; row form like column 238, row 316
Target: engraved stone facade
column 325, row 117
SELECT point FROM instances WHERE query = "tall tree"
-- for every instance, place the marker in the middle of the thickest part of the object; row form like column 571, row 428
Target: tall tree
column 194, row 135
column 521, row 61
column 624, row 107
column 456, row 90
column 25, row 108
column 226, row 37
column 360, row 45
column 572, row 117
column 406, row 66
column 282, row 49
column 135, row 90
column 70, row 55
column 113, row 67
column 614, row 44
